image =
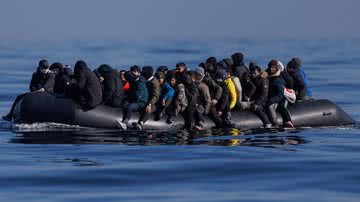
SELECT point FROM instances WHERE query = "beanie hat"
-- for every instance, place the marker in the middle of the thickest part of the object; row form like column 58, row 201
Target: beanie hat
column 147, row 72
column 200, row 71
column 220, row 74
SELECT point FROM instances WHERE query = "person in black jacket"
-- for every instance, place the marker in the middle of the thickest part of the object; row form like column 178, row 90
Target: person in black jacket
column 259, row 98
column 112, row 86
column 289, row 83
column 42, row 80
column 276, row 98
column 87, row 86
column 63, row 75
column 238, row 67
column 299, row 84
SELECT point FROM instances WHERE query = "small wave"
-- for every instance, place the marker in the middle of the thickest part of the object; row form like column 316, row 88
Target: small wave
column 35, row 127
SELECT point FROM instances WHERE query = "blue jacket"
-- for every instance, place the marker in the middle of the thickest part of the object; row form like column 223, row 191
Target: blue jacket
column 306, row 81
column 167, row 91
column 138, row 90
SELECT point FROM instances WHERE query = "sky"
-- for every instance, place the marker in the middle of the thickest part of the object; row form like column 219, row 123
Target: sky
column 175, row 19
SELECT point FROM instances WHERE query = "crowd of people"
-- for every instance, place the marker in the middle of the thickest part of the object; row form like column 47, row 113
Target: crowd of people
column 214, row 89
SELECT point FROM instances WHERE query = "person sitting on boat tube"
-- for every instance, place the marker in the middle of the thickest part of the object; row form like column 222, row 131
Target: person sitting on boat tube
column 260, row 96
column 87, row 86
column 42, row 80
column 111, row 84
column 276, row 98
column 154, row 90
column 138, row 95
column 301, row 84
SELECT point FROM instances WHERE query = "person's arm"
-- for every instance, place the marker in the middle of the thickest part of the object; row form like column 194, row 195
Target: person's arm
column 156, row 91
column 280, row 94
column 170, row 92
column 32, row 86
column 264, row 92
column 50, row 82
column 301, row 87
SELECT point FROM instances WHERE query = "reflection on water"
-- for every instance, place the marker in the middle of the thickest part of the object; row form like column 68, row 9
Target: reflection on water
column 273, row 138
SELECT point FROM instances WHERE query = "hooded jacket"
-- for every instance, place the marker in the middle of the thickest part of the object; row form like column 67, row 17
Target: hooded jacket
column 262, row 90
column 204, row 97
column 247, row 85
column 112, row 86
column 40, row 79
column 276, row 88
column 138, row 91
column 88, row 87
column 238, row 67
column 232, row 92
column 214, row 88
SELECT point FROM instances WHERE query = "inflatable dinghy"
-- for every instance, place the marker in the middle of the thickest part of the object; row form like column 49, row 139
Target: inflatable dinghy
column 46, row 107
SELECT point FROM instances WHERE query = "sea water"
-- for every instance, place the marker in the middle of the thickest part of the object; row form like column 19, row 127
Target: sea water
column 57, row 162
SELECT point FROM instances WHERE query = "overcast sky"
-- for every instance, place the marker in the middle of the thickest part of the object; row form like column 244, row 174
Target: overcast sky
column 179, row 19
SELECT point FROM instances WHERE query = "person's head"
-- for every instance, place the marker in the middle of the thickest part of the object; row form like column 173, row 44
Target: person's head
column 273, row 67
column 122, row 75
column 163, row 69
column 180, row 67
column 294, row 64
column 212, row 61
column 220, row 75
column 79, row 67
column 102, row 71
column 57, row 68
column 44, row 66
column 199, row 73
column 161, row 77
column 147, row 72
column 254, row 69
column 238, row 58
column 228, row 72
column 171, row 79
column 135, row 71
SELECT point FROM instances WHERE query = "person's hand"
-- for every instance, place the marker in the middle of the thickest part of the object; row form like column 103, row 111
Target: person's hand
column 255, row 107
column 163, row 103
column 41, row 89
column 214, row 102
column 148, row 108
column 219, row 113
column 247, row 99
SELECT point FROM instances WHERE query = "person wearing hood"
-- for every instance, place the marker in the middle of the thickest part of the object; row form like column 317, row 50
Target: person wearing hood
column 301, row 84
column 138, row 95
column 248, row 87
column 219, row 112
column 87, row 86
column 166, row 98
column 259, row 98
column 238, row 67
column 154, row 91
column 181, row 72
column 204, row 100
column 42, row 80
column 59, row 85
column 289, row 83
column 276, row 98
column 113, row 94
column 163, row 69
column 192, row 94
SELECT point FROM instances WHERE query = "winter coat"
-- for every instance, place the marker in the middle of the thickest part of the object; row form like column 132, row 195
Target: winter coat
column 214, row 88
column 181, row 101
column 289, row 83
column 113, row 94
column 238, row 67
column 262, row 90
column 88, row 87
column 276, row 89
column 167, row 92
column 154, row 90
column 238, row 87
column 204, row 99
column 42, row 80
column 138, row 91
column 299, row 84
column 307, row 84
column 232, row 91
column 223, row 103
column 248, row 87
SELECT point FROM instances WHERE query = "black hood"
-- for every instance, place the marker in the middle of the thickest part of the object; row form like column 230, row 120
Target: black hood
column 104, row 70
column 212, row 61
column 57, row 68
column 147, row 72
column 238, row 59
column 80, row 66
column 253, row 66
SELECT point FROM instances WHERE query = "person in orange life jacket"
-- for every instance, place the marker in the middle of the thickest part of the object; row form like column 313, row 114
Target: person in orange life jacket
column 138, row 95
column 42, row 80
column 111, row 84
column 276, row 98
column 260, row 96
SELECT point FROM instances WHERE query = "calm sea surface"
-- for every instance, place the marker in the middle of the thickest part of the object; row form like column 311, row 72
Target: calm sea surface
column 55, row 162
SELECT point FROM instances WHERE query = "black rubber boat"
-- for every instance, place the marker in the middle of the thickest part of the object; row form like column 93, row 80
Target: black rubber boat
column 45, row 107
